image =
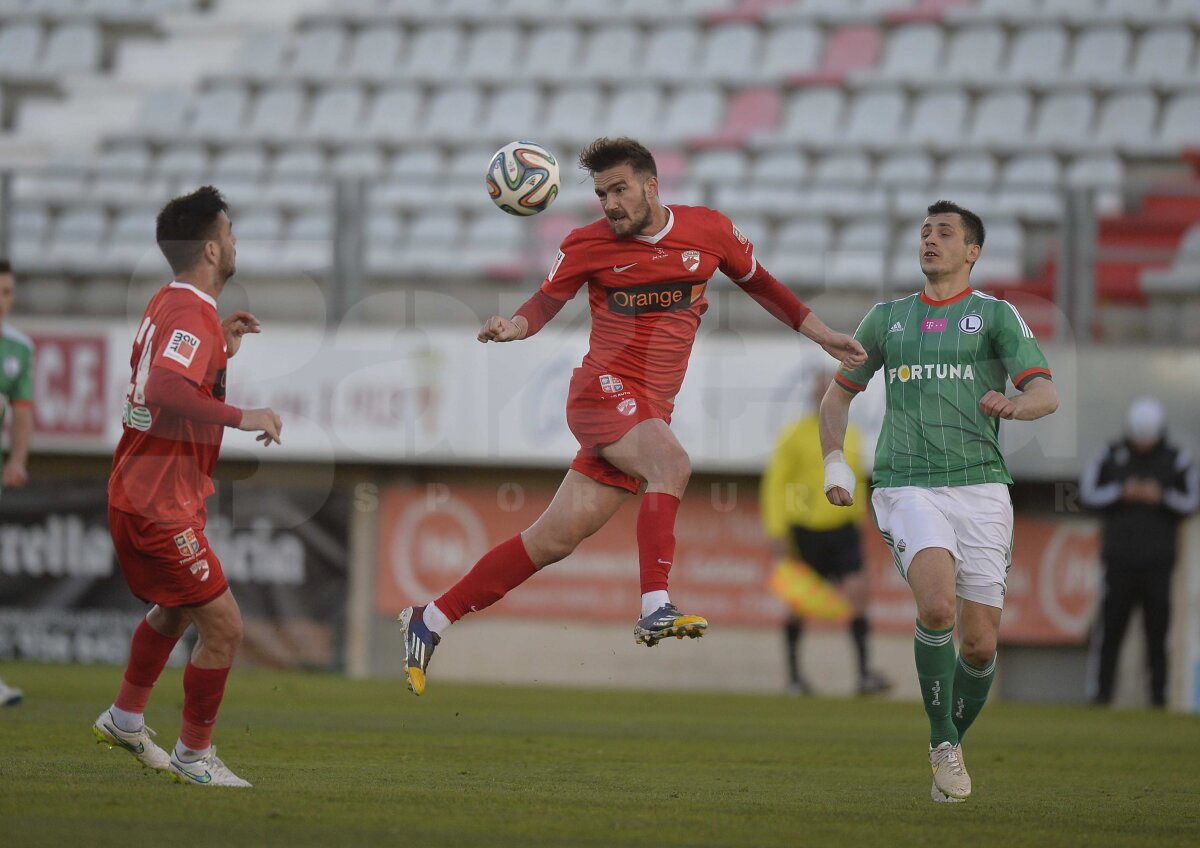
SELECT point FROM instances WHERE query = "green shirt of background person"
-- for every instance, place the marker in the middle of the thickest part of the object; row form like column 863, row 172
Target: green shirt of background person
column 16, row 385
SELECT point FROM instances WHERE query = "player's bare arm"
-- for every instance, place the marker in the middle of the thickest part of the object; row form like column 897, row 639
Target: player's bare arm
column 498, row 329
column 840, row 346
column 1038, row 399
column 15, row 474
column 835, row 415
column 264, row 420
column 236, row 326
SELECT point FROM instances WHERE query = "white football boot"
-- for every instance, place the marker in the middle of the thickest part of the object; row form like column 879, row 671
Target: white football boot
column 950, row 776
column 137, row 743
column 206, row 771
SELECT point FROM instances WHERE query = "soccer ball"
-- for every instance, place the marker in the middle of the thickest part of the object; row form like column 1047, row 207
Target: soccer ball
column 522, row 178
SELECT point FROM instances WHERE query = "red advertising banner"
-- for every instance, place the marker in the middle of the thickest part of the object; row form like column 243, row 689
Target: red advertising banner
column 69, row 384
column 431, row 535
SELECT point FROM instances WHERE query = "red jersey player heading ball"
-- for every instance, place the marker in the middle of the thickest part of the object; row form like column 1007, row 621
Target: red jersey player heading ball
column 174, row 416
column 646, row 267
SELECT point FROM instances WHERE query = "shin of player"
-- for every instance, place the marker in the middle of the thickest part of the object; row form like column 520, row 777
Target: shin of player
column 646, row 267
column 174, row 417
column 941, row 496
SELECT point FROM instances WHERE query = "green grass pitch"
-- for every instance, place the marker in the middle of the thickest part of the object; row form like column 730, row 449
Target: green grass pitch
column 364, row 763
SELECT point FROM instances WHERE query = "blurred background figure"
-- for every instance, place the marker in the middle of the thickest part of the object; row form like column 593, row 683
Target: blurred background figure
column 805, row 527
column 16, row 385
column 1145, row 486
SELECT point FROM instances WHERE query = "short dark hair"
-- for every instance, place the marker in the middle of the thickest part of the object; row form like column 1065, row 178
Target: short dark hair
column 186, row 223
column 5, row 266
column 605, row 153
column 973, row 230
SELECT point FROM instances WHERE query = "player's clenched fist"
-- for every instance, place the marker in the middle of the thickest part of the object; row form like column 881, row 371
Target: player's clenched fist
column 264, row 420
column 497, row 329
column 997, row 405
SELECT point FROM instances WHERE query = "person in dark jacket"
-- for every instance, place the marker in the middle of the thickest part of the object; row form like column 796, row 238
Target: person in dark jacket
column 1144, row 485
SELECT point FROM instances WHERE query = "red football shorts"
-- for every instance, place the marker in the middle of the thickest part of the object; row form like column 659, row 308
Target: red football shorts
column 601, row 409
column 170, row 565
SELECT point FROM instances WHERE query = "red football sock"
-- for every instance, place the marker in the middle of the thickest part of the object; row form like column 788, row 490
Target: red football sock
column 498, row 572
column 656, row 539
column 148, row 654
column 203, row 689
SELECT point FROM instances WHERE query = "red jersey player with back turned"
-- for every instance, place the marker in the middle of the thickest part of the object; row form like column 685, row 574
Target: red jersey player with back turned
column 646, row 266
column 175, row 414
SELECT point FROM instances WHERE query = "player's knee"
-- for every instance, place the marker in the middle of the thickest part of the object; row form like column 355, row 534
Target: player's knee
column 978, row 651
column 937, row 614
column 678, row 471
column 547, row 548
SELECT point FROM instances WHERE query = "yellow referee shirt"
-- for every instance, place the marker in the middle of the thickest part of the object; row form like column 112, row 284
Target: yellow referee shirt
column 793, row 485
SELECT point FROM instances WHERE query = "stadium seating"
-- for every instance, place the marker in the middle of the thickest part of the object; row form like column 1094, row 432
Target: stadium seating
column 827, row 124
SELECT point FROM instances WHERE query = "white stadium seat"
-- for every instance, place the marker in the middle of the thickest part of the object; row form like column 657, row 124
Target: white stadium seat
column 1127, row 119
column 1064, row 119
column 671, row 53
column 1163, row 55
column 1181, row 121
column 512, row 113
column 1100, row 55
column 71, row 49
column 573, row 115
column 730, row 54
column 219, row 112
column 911, row 169
column 276, row 112
column 20, row 46
column 975, row 54
column 913, row 52
column 393, row 115
column 453, row 113
column 318, row 52
column 969, row 169
column 547, row 51
column 813, row 115
column 490, row 48
column 336, row 114
column 1033, row 170
column 843, row 168
column 690, row 112
column 364, row 162
column 875, row 118
column 611, row 53
column 434, row 54
column 790, row 49
column 938, row 119
column 719, row 166
column 375, row 54
column 1037, row 54
column 631, row 110
column 1001, row 117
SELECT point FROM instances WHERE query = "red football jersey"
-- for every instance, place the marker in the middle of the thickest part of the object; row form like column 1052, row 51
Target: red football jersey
column 647, row 292
column 162, row 469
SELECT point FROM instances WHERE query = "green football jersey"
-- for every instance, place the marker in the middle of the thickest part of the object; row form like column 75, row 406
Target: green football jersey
column 939, row 358
column 16, row 367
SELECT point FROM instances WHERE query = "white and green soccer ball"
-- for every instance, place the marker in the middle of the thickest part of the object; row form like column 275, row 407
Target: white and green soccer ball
column 522, row 178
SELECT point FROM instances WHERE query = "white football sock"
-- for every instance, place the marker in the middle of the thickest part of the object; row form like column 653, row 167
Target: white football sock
column 653, row 600
column 435, row 619
column 129, row 722
column 183, row 752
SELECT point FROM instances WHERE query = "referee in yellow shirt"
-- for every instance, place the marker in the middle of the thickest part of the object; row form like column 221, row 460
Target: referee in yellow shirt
column 804, row 525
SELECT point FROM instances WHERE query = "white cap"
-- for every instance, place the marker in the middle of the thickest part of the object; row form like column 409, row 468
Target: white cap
column 1144, row 423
